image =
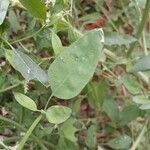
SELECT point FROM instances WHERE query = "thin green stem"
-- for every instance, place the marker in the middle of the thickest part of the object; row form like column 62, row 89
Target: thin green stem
column 10, row 87
column 27, row 37
column 141, row 26
column 48, row 101
column 139, row 138
column 29, row 132
column 110, row 20
column 23, row 129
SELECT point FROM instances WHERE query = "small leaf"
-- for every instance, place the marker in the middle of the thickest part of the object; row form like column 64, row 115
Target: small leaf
column 58, row 114
column 13, row 20
column 74, row 67
column 66, row 144
column 91, row 136
column 28, row 68
column 142, row 64
column 36, row 7
column 25, row 101
column 112, row 113
column 115, row 38
column 145, row 106
column 68, row 130
column 56, row 44
column 128, row 114
column 3, row 9
column 140, row 99
column 122, row 142
column 131, row 84
column 9, row 57
column 96, row 92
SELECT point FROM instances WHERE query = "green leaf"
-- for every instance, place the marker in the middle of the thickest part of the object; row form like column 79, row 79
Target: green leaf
column 58, row 114
column 142, row 64
column 131, row 84
column 74, row 67
column 145, row 101
column 3, row 9
column 122, row 142
column 65, row 144
column 36, row 7
column 112, row 113
column 91, row 136
column 96, row 94
column 25, row 101
column 115, row 38
column 9, row 57
column 140, row 99
column 13, row 20
column 56, row 44
column 28, row 68
column 68, row 130
column 145, row 106
column 128, row 114
column 73, row 34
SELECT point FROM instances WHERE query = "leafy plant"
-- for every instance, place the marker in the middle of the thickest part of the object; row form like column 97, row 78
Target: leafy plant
column 74, row 74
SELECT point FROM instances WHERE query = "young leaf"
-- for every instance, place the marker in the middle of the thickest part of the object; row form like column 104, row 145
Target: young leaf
column 3, row 9
column 122, row 142
column 56, row 44
column 25, row 101
column 68, row 130
column 36, row 7
column 131, row 84
column 96, row 92
column 13, row 20
column 142, row 65
column 58, row 114
column 112, row 113
column 74, row 67
column 28, row 68
column 115, row 38
column 128, row 114
column 91, row 136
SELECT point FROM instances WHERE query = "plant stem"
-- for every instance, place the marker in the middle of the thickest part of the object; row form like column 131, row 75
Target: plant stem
column 29, row 132
column 10, row 87
column 48, row 101
column 141, row 26
column 139, row 138
column 27, row 37
column 23, row 129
